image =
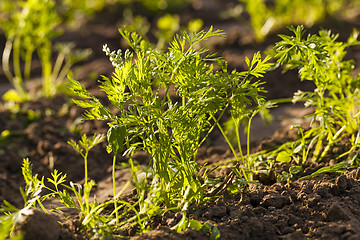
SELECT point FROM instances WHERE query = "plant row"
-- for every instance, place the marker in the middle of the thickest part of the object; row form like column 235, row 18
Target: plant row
column 170, row 129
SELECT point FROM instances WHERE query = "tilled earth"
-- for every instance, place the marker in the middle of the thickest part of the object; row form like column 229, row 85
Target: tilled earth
column 322, row 208
column 326, row 207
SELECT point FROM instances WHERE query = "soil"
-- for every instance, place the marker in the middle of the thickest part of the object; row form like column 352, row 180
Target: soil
column 325, row 207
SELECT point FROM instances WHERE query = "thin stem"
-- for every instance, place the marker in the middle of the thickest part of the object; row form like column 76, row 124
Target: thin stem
column 231, row 147
column 86, row 168
column 337, row 134
column 17, row 80
column 86, row 179
column 114, row 189
column 28, row 60
column 6, row 59
column 248, row 143
column 57, row 66
column 42, row 206
column 238, row 138
column 45, row 57
column 353, row 147
column 63, row 72
column 213, row 126
column 16, row 59
column 225, row 136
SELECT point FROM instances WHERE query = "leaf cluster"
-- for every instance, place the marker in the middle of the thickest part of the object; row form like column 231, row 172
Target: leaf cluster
column 167, row 104
column 321, row 59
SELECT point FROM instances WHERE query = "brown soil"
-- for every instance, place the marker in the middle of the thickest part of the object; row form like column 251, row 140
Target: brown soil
column 326, row 207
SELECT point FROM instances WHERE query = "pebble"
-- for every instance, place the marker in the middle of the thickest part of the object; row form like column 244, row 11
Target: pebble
column 274, row 200
column 298, row 235
column 35, row 224
column 335, row 213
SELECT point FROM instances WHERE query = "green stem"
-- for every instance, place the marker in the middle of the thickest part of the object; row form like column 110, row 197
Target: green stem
column 248, row 144
column 16, row 59
column 86, row 168
column 337, row 134
column 213, row 126
column 86, row 180
column 6, row 59
column 28, row 60
column 114, row 188
column 42, row 206
column 230, row 145
column 17, row 80
column 57, row 66
column 64, row 71
column 238, row 138
column 14, row 80
column 45, row 57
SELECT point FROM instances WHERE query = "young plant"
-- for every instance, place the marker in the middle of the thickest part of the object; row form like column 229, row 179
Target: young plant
column 170, row 129
column 93, row 220
column 320, row 59
column 232, row 126
column 83, row 147
column 30, row 26
column 90, row 218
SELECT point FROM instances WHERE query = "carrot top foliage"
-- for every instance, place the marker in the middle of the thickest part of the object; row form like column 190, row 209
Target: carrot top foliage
column 166, row 104
column 170, row 129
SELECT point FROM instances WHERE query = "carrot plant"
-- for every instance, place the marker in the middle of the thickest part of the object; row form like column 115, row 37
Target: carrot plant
column 321, row 59
column 170, row 129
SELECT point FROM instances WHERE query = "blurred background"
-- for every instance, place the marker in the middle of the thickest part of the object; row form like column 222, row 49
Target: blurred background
column 250, row 24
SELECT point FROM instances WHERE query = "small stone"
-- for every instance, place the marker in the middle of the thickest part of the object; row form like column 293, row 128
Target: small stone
column 216, row 212
column 298, row 235
column 354, row 237
column 36, row 224
column 332, row 162
column 313, row 200
column 274, row 200
column 341, row 183
column 336, row 213
column 288, row 230
column 321, row 189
